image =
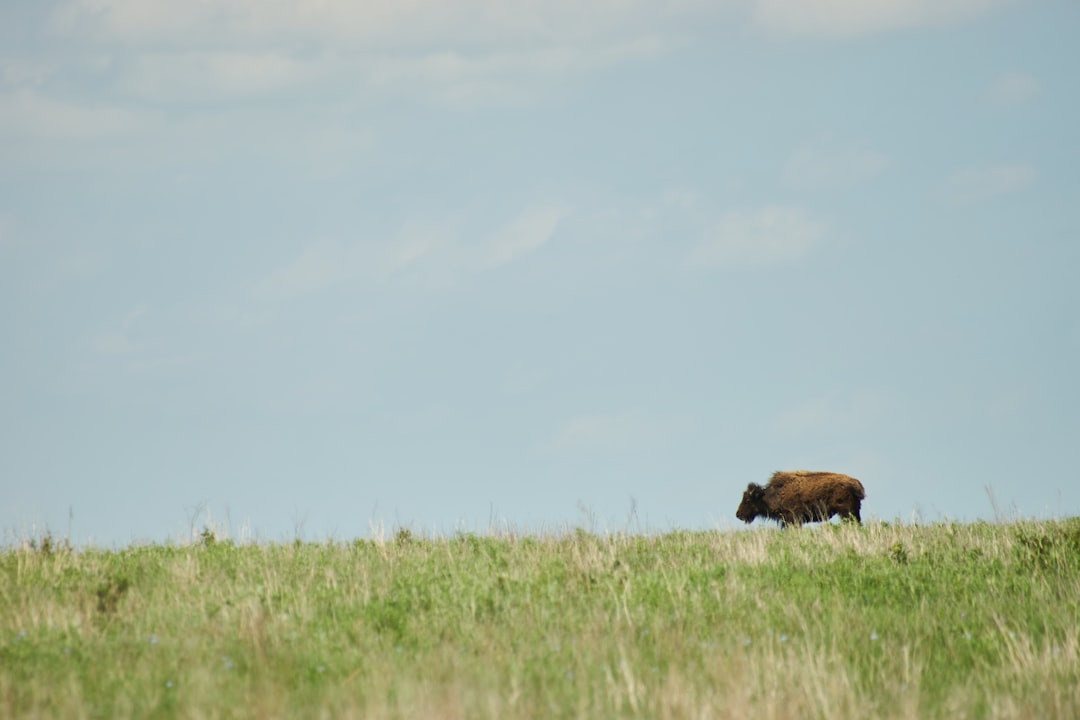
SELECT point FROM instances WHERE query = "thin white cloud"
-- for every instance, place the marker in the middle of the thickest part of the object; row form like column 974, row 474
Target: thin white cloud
column 378, row 24
column 828, row 166
column 21, row 72
column 244, row 315
column 418, row 241
column 679, row 199
column 329, row 150
column 133, row 20
column 216, row 75
column 1013, row 88
column 769, row 235
column 850, row 18
column 428, row 33
column 29, row 114
column 447, row 78
column 837, row 413
column 450, row 67
column 512, row 77
column 973, row 186
column 124, row 339
column 381, row 24
column 321, row 265
column 605, row 432
column 522, row 235
column 463, row 54
column 436, row 254
column 524, row 380
column 116, row 343
column 424, row 253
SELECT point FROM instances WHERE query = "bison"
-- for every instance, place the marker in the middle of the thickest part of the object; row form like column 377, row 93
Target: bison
column 799, row 496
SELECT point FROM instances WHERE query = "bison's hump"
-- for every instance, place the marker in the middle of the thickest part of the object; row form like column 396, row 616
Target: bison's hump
column 812, row 481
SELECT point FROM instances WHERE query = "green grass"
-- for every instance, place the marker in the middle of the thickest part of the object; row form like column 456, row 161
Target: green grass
column 885, row 620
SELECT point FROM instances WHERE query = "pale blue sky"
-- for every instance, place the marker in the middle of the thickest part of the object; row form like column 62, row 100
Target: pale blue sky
column 319, row 266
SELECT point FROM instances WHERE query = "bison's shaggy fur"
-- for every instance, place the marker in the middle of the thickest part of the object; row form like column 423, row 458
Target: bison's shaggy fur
column 800, row 496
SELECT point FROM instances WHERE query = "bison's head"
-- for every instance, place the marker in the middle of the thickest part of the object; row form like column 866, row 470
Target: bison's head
column 753, row 503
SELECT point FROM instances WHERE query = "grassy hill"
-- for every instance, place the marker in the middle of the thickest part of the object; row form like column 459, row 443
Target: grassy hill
column 885, row 620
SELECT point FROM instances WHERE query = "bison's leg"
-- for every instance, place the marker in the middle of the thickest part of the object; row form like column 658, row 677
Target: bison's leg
column 856, row 505
column 852, row 514
column 846, row 505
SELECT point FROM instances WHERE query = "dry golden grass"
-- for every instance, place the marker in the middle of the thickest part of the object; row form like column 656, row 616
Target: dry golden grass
column 884, row 620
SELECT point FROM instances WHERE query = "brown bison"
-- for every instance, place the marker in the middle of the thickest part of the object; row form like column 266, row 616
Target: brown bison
column 802, row 496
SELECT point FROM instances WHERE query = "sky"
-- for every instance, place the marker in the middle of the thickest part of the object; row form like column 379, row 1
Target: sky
column 325, row 268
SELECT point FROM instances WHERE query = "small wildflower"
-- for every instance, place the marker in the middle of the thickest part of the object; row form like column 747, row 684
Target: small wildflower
column 152, row 640
column 783, row 638
column 321, row 668
column 569, row 674
column 874, row 636
column 967, row 636
column 168, row 683
column 746, row 641
column 227, row 662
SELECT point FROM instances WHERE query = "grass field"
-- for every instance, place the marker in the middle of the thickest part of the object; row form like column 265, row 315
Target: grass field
column 881, row 621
